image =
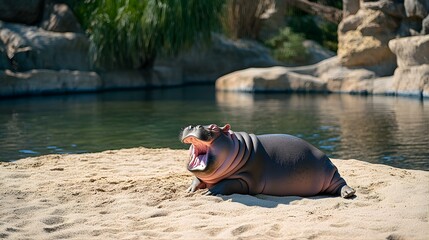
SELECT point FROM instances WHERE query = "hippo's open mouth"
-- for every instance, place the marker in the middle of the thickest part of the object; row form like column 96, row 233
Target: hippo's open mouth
column 198, row 157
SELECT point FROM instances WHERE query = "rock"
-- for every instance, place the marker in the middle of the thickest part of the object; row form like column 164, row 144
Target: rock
column 416, row 8
column 412, row 75
column 378, row 24
column 59, row 18
column 412, row 80
column 392, row 8
column 4, row 60
column 207, row 63
column 21, row 11
column 326, row 76
column 351, row 22
column 409, row 27
column 350, row 7
column 345, row 80
column 43, row 81
column 411, row 51
column 271, row 79
column 368, row 54
column 356, row 50
column 47, row 82
column 34, row 48
column 363, row 41
column 274, row 20
column 383, row 86
column 425, row 26
column 160, row 76
column 316, row 52
column 123, row 79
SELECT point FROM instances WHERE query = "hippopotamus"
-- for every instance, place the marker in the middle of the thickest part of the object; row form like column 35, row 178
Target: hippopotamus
column 227, row 162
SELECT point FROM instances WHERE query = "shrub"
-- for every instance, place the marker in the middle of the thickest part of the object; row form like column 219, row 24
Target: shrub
column 287, row 46
column 130, row 33
column 314, row 28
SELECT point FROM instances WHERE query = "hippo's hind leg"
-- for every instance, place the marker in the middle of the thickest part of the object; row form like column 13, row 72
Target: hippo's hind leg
column 338, row 186
column 347, row 192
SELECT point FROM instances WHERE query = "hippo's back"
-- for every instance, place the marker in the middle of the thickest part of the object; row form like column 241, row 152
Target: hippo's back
column 295, row 167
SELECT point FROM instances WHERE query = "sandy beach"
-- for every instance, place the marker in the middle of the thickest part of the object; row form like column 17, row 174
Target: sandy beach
column 140, row 194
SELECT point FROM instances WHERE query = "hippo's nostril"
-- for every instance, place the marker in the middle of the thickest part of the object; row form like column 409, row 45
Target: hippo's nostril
column 199, row 126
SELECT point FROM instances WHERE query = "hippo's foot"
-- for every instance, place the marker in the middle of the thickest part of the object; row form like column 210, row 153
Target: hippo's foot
column 195, row 185
column 347, row 192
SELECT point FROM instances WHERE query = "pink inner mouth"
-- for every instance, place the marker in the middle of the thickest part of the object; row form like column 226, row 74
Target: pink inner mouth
column 198, row 156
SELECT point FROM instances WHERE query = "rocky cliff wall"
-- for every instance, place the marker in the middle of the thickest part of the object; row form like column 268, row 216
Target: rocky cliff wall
column 383, row 49
column 43, row 49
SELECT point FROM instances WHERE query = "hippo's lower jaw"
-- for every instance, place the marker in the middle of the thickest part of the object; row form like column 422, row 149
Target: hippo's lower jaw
column 198, row 158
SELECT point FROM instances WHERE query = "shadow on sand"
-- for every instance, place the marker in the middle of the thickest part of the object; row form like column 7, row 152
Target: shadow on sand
column 268, row 201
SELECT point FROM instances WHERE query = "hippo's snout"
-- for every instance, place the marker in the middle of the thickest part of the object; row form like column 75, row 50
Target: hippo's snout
column 200, row 132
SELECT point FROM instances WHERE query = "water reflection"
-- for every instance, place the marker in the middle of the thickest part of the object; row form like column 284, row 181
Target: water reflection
column 376, row 129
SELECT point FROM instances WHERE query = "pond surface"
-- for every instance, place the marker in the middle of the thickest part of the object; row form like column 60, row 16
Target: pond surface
column 377, row 129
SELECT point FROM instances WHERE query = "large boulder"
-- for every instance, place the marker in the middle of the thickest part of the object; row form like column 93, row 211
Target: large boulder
column 60, row 18
column 393, row 8
column 356, row 49
column 363, row 41
column 325, row 76
column 21, row 11
column 412, row 75
column 42, row 81
column 272, row 79
column 411, row 51
column 316, row 52
column 412, row 81
column 425, row 26
column 409, row 27
column 350, row 7
column 4, row 60
column 159, row 76
column 34, row 48
column 416, row 8
column 204, row 63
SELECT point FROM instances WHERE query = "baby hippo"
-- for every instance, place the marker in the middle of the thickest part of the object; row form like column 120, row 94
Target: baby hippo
column 228, row 162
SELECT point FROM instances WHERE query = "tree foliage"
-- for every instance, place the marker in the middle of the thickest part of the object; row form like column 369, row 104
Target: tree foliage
column 130, row 33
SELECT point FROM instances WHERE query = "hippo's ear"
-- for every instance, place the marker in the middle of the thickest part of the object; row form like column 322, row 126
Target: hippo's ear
column 226, row 128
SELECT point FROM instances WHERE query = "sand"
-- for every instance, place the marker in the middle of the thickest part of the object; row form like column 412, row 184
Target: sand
column 140, row 194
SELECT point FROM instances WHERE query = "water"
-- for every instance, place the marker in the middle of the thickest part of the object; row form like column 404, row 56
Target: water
column 377, row 129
